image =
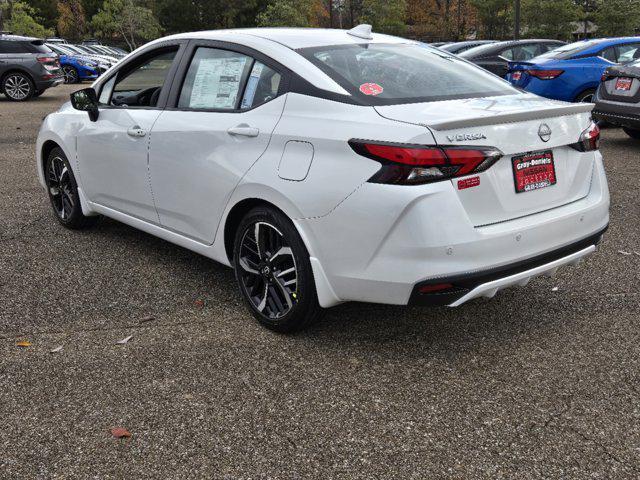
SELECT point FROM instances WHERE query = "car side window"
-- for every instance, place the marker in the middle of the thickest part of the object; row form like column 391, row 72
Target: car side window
column 263, row 85
column 141, row 86
column 610, row 54
column 107, row 89
column 214, row 80
column 507, row 54
column 628, row 52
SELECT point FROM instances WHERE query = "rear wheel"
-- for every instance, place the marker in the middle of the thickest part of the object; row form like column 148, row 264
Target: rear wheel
column 63, row 192
column 273, row 271
column 70, row 74
column 18, row 87
column 632, row 132
column 586, row 96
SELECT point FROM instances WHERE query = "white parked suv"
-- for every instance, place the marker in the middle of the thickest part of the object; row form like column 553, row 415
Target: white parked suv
column 329, row 166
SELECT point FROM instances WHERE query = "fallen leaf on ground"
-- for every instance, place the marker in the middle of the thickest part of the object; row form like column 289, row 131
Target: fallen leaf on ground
column 124, row 340
column 149, row 318
column 23, row 344
column 199, row 303
column 56, row 350
column 554, row 289
column 120, row 432
column 622, row 252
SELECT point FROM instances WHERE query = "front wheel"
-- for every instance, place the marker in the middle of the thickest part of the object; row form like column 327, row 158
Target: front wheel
column 70, row 74
column 633, row 133
column 273, row 271
column 63, row 192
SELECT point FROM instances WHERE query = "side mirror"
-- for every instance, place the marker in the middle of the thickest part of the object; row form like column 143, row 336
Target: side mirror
column 86, row 100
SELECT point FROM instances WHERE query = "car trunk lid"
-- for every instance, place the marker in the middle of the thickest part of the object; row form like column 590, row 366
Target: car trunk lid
column 517, row 125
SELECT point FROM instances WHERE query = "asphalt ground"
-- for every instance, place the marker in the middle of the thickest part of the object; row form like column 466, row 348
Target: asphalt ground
column 535, row 383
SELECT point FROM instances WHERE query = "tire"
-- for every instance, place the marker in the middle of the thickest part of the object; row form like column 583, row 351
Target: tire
column 586, row 96
column 632, row 132
column 70, row 74
column 17, row 87
column 273, row 271
column 63, row 192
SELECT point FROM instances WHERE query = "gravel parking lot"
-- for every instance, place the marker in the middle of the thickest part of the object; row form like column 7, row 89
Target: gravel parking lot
column 535, row 383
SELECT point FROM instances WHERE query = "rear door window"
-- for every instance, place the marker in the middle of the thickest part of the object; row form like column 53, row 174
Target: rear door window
column 222, row 80
column 628, row 52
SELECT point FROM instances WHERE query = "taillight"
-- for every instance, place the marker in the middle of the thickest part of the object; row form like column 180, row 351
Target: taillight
column 589, row 139
column 545, row 74
column 47, row 59
column 604, row 77
column 516, row 76
column 416, row 164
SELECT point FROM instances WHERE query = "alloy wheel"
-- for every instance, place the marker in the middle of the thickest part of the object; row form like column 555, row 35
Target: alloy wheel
column 269, row 274
column 60, row 188
column 70, row 74
column 17, row 87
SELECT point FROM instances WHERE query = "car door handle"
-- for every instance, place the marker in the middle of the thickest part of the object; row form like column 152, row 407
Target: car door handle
column 244, row 130
column 136, row 131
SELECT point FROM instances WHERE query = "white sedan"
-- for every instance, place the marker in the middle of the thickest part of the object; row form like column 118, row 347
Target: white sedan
column 329, row 166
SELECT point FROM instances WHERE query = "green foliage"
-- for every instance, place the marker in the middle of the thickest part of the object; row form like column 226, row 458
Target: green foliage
column 72, row 23
column 385, row 16
column 126, row 19
column 617, row 18
column 548, row 18
column 495, row 18
column 21, row 19
column 193, row 15
column 286, row 13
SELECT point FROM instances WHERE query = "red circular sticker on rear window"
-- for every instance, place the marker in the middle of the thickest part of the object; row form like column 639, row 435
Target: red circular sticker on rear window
column 371, row 89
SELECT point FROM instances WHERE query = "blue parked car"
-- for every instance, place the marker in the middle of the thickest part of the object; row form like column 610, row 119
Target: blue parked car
column 75, row 67
column 572, row 72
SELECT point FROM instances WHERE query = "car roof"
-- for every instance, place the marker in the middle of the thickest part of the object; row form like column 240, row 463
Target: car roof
column 295, row 38
column 17, row 38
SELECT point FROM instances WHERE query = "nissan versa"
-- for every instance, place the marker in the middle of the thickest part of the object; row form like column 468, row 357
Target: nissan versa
column 329, row 166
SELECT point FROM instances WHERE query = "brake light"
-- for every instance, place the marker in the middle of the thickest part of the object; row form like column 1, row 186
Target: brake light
column 516, row 76
column 416, row 164
column 546, row 74
column 604, row 77
column 589, row 139
column 47, row 59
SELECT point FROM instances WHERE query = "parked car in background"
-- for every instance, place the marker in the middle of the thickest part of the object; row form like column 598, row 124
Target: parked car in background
column 106, row 50
column 459, row 47
column 572, row 72
column 495, row 57
column 55, row 40
column 83, row 50
column 27, row 67
column 618, row 98
column 77, row 68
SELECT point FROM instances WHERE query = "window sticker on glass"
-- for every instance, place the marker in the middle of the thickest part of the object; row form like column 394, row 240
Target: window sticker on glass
column 371, row 89
column 252, row 85
column 217, row 82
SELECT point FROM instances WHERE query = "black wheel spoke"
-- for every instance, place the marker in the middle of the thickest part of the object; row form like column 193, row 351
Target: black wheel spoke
column 61, row 189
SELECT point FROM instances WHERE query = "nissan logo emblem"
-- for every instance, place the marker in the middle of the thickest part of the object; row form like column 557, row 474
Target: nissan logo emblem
column 544, row 132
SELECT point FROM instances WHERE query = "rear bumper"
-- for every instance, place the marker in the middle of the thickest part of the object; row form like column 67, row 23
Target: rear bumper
column 487, row 283
column 385, row 241
column 52, row 82
column 624, row 115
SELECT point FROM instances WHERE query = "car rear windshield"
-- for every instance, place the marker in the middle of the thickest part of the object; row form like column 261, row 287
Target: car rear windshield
column 568, row 51
column 387, row 74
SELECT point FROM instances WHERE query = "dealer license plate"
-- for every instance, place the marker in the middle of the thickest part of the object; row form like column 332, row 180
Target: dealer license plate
column 624, row 83
column 533, row 171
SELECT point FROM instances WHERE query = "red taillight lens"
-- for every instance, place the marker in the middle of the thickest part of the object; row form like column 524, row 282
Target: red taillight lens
column 47, row 59
column 438, row 287
column 589, row 139
column 545, row 74
column 516, row 76
column 416, row 165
